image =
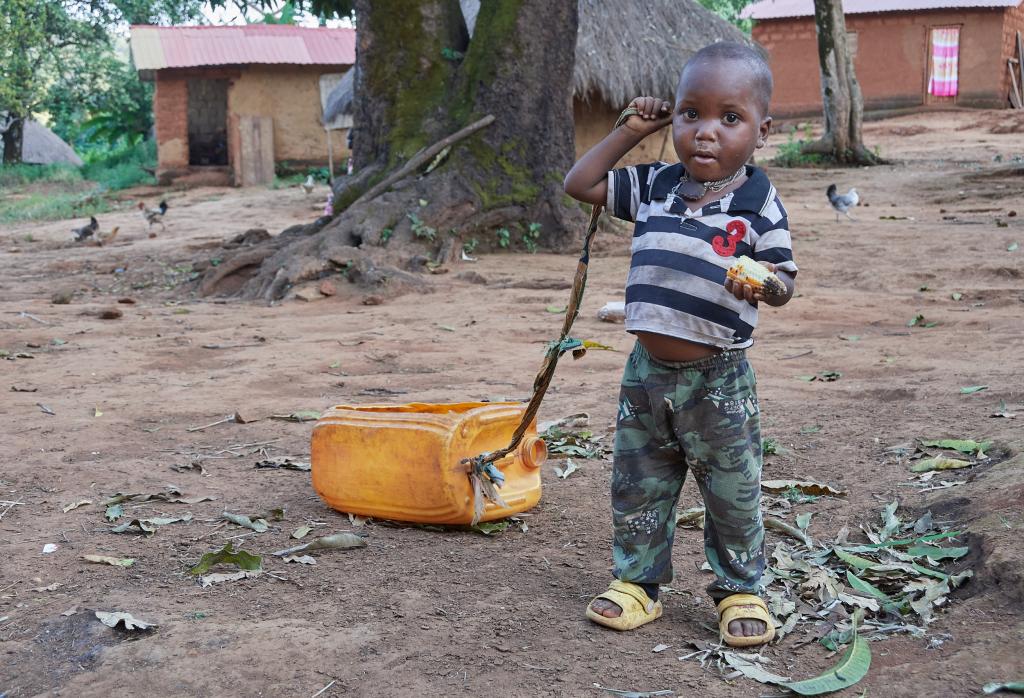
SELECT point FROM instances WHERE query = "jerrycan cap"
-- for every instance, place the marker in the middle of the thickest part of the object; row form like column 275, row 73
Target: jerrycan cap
column 533, row 451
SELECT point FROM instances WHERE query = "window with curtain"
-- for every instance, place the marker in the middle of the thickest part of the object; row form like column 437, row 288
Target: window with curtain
column 945, row 61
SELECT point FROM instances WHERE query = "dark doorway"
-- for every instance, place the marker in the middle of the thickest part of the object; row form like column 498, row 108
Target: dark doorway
column 207, row 122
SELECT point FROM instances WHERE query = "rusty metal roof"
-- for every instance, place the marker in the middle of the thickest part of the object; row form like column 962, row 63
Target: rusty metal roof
column 777, row 9
column 156, row 48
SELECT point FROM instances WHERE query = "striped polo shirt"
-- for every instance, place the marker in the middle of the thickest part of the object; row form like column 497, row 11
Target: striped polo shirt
column 676, row 283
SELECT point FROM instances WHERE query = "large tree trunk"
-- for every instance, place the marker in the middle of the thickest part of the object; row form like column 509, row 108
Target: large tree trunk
column 840, row 92
column 421, row 78
column 14, row 139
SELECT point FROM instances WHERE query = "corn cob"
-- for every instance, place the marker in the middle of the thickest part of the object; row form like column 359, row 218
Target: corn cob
column 746, row 271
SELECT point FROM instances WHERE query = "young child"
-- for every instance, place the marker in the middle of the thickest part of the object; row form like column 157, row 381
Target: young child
column 688, row 399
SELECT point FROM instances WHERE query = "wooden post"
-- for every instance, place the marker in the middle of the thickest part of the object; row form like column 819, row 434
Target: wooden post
column 256, row 136
column 330, row 157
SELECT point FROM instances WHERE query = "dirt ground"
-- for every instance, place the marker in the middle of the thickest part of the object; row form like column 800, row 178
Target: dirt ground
column 428, row 613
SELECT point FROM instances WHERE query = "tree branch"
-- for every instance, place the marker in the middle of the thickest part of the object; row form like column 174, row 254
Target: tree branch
column 423, row 156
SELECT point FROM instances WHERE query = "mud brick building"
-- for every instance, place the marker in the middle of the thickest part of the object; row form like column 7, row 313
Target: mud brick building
column 233, row 102
column 907, row 53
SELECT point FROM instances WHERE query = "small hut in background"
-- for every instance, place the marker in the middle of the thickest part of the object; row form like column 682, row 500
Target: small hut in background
column 41, row 146
column 233, row 102
column 623, row 50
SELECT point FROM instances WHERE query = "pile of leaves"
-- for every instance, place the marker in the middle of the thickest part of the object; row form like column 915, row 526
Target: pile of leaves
column 839, row 593
column 561, row 440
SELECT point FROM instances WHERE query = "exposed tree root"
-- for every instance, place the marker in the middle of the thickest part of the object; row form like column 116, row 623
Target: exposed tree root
column 383, row 246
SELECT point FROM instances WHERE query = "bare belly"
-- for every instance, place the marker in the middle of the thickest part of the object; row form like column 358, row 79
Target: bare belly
column 673, row 349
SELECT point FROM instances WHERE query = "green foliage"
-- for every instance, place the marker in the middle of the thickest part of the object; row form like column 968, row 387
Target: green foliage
column 20, row 174
column 49, row 192
column 791, row 153
column 530, row 237
column 57, row 54
column 420, row 229
column 122, row 166
column 324, row 9
column 98, row 97
column 504, row 237
column 285, row 16
column 385, row 235
column 729, row 10
column 470, row 245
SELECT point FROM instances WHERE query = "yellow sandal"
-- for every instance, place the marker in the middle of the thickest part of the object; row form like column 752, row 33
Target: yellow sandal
column 637, row 607
column 744, row 607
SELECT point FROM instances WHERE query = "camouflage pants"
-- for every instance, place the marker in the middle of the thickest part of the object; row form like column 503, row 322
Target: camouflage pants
column 700, row 416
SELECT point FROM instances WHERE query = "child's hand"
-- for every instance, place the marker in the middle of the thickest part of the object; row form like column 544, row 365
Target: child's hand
column 653, row 114
column 746, row 292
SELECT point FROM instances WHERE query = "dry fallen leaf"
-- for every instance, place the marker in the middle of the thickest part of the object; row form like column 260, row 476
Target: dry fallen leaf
column 112, row 618
column 108, row 560
column 74, row 505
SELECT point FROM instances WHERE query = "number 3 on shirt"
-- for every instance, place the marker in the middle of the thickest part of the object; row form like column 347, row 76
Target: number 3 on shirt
column 726, row 246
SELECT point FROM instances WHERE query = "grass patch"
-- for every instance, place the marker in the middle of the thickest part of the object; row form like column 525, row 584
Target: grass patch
column 52, row 192
column 790, row 153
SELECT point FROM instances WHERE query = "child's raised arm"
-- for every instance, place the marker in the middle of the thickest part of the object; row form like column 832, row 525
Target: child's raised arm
column 587, row 181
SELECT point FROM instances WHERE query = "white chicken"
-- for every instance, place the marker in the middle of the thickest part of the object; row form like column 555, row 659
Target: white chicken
column 308, row 185
column 154, row 215
column 842, row 203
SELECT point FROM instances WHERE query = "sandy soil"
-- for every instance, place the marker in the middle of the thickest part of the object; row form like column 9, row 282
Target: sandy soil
column 421, row 612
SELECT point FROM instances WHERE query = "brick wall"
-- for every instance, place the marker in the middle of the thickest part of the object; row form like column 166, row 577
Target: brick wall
column 170, row 111
column 891, row 61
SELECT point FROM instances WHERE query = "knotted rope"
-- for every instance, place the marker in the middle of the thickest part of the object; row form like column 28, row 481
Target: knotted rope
column 484, row 475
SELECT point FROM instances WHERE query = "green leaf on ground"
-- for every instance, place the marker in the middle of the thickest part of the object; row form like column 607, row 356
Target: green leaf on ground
column 936, row 553
column 301, row 532
column 968, row 389
column 956, row 295
column 228, row 556
column 939, row 463
column 114, row 512
column 968, row 446
column 259, row 525
column 556, row 309
column 866, row 588
column 852, row 667
column 861, row 563
column 1012, row 246
column 491, row 528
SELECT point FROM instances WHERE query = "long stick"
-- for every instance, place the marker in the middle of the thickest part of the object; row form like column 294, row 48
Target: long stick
column 423, row 156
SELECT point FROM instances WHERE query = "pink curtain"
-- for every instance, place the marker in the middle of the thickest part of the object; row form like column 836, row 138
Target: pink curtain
column 945, row 61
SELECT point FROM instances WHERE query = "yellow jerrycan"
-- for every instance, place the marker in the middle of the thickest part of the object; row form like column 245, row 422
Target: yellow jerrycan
column 404, row 462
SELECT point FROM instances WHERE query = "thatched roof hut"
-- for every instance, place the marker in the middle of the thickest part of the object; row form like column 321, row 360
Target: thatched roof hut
column 623, row 49
column 41, row 146
column 339, row 101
